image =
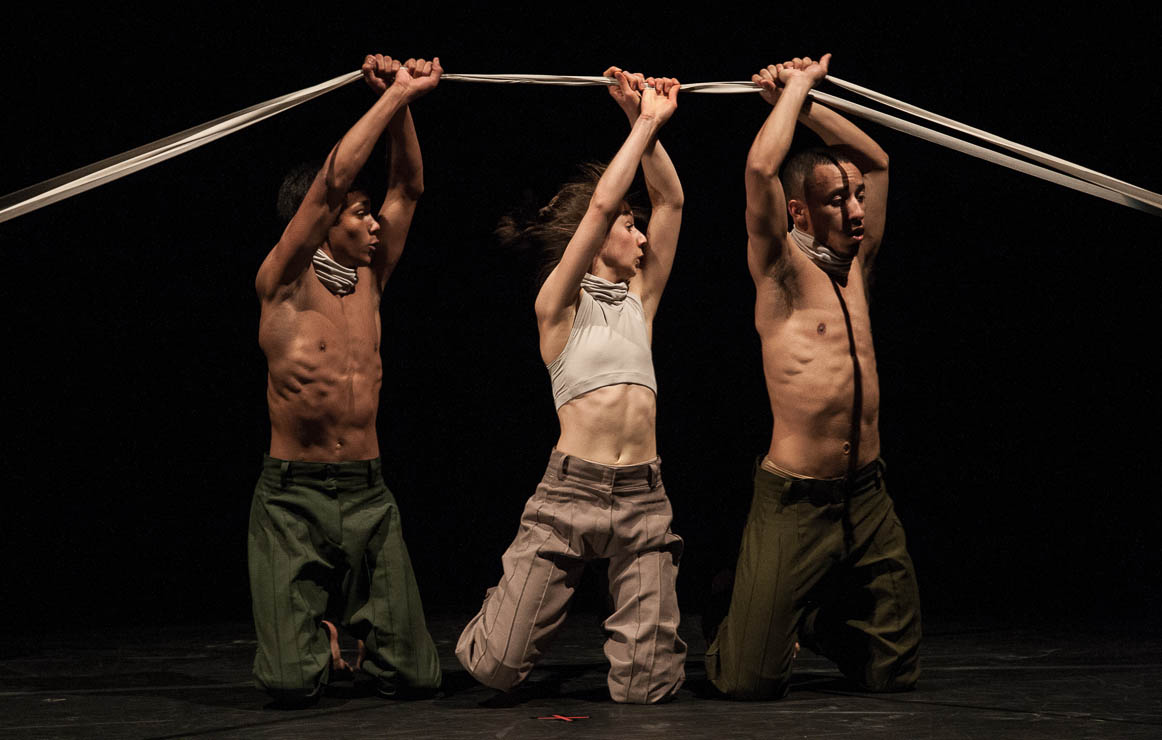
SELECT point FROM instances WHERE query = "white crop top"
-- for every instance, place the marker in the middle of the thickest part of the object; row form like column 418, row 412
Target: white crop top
column 608, row 344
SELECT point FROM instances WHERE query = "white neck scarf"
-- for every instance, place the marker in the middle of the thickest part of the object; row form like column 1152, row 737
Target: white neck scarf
column 824, row 257
column 603, row 290
column 338, row 279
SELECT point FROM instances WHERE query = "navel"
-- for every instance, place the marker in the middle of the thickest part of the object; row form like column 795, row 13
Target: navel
column 821, row 329
column 846, row 445
column 323, row 345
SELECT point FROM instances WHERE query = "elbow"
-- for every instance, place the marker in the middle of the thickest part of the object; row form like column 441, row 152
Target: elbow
column 674, row 201
column 760, row 169
column 413, row 190
column 338, row 181
column 407, row 181
column 605, row 206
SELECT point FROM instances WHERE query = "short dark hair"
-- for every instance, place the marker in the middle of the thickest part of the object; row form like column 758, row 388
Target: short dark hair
column 799, row 169
column 550, row 228
column 297, row 182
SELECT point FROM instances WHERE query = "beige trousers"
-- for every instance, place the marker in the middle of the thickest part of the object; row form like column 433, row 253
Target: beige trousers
column 581, row 511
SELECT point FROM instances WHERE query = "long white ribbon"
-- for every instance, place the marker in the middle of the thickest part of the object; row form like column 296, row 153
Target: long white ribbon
column 1078, row 178
column 1153, row 205
column 1037, row 156
column 113, row 168
column 583, row 81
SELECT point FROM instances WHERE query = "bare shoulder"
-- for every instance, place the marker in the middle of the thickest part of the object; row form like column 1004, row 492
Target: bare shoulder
column 267, row 283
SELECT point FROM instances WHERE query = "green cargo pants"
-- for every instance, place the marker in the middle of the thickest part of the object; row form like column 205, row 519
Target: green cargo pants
column 325, row 543
column 834, row 575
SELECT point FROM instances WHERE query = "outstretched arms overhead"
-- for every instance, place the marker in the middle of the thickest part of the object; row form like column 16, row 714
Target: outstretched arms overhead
column 405, row 180
column 785, row 87
column 327, row 194
column 558, row 294
column 663, row 185
column 871, row 160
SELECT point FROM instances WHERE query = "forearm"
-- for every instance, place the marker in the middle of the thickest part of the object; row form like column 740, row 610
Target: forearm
column 406, row 172
column 835, row 130
column 561, row 287
column 351, row 153
column 662, row 182
column 618, row 175
column 774, row 138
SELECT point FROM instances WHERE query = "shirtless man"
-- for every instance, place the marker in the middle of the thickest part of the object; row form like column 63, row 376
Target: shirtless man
column 823, row 559
column 325, row 545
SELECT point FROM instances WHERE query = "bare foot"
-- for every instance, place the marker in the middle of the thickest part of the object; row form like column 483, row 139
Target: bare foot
column 339, row 667
column 362, row 654
column 795, row 652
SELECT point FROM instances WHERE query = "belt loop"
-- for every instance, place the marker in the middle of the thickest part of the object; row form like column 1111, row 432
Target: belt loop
column 564, row 467
column 651, row 477
column 284, row 472
column 370, row 473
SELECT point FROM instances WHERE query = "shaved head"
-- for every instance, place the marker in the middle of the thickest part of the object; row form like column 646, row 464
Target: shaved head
column 798, row 173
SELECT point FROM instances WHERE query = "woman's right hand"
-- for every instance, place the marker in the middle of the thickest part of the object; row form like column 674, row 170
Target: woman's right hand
column 627, row 91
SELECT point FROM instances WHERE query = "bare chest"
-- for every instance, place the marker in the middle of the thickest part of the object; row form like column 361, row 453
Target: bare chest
column 811, row 326
column 314, row 329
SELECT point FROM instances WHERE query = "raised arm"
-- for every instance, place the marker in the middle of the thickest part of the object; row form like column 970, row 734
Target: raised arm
column 785, row 87
column 405, row 180
column 836, row 131
column 558, row 294
column 327, row 194
column 663, row 185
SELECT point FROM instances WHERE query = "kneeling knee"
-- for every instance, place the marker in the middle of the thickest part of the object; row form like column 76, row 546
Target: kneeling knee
column 893, row 678
column 889, row 684
column 489, row 671
column 760, row 689
column 657, row 692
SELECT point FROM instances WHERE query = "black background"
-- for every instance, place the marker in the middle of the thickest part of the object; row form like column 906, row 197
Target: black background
column 1015, row 320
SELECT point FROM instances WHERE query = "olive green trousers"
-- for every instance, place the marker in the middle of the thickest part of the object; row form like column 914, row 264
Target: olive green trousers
column 823, row 562
column 325, row 543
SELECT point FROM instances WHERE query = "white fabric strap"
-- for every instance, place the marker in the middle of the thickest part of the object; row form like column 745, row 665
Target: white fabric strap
column 113, row 168
column 1107, row 187
column 584, row 81
column 1078, row 178
column 1037, row 156
column 989, row 155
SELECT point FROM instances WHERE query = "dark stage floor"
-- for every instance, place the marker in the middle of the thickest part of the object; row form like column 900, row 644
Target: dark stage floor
column 978, row 681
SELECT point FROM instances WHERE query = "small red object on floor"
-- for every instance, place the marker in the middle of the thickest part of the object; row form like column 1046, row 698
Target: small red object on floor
column 563, row 718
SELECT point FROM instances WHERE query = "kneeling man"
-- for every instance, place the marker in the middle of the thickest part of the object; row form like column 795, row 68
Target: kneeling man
column 823, row 559
column 325, row 546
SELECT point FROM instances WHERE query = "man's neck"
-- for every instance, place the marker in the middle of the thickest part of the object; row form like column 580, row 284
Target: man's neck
column 834, row 263
column 337, row 278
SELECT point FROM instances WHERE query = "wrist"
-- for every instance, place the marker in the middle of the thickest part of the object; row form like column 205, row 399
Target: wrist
column 799, row 85
column 400, row 88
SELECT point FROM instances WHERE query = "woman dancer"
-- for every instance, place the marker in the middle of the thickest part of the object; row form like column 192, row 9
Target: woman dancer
column 602, row 494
